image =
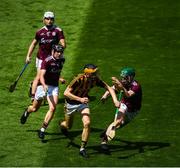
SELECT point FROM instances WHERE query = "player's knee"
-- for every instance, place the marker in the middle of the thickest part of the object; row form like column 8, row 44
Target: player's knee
column 34, row 109
column 52, row 109
column 64, row 124
column 118, row 121
column 86, row 124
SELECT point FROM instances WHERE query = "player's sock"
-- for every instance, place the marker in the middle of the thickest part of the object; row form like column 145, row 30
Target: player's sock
column 44, row 126
column 83, row 144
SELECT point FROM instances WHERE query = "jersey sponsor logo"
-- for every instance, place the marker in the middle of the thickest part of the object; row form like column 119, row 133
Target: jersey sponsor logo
column 45, row 41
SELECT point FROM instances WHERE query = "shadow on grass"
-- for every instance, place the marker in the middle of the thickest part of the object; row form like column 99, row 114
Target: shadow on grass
column 71, row 136
column 46, row 136
column 46, row 133
column 134, row 148
column 3, row 156
column 138, row 147
column 74, row 134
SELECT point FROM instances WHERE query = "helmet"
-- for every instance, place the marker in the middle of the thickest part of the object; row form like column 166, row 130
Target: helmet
column 58, row 48
column 49, row 14
column 90, row 68
column 128, row 71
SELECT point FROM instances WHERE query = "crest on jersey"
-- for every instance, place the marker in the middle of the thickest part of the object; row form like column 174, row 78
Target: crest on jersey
column 48, row 33
column 53, row 33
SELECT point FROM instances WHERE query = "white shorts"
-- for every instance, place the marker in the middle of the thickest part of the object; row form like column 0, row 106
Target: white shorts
column 53, row 90
column 72, row 108
column 38, row 63
column 40, row 93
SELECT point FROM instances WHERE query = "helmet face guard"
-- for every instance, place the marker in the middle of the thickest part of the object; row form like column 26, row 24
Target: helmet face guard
column 127, row 74
column 58, row 48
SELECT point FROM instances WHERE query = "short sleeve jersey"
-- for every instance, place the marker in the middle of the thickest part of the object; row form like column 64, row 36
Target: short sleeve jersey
column 133, row 103
column 53, row 69
column 46, row 38
column 81, row 86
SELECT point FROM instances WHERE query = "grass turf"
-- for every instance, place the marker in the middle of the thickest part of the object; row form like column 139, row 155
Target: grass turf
column 112, row 34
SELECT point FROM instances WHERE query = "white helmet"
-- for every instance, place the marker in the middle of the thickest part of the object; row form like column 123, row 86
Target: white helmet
column 48, row 14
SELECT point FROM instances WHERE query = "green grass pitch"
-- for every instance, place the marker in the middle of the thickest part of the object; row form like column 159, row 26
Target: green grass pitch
column 112, row 34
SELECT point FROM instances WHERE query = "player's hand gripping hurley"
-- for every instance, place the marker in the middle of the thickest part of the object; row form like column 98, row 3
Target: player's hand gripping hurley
column 111, row 130
column 13, row 86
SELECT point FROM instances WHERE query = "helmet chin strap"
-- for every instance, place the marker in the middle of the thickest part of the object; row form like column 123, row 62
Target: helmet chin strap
column 49, row 26
column 127, row 81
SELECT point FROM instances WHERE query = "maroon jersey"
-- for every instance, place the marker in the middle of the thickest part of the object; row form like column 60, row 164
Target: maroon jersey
column 133, row 103
column 46, row 38
column 53, row 69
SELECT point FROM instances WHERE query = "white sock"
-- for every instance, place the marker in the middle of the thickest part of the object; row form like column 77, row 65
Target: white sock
column 103, row 142
column 81, row 149
column 42, row 129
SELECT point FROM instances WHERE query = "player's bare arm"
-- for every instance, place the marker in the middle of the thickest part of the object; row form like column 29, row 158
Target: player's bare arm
column 63, row 43
column 120, row 86
column 105, row 96
column 62, row 80
column 116, row 82
column 68, row 94
column 113, row 94
column 128, row 93
column 30, row 50
column 42, row 80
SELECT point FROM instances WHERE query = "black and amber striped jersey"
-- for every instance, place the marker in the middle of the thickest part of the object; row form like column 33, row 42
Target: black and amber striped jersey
column 82, row 84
